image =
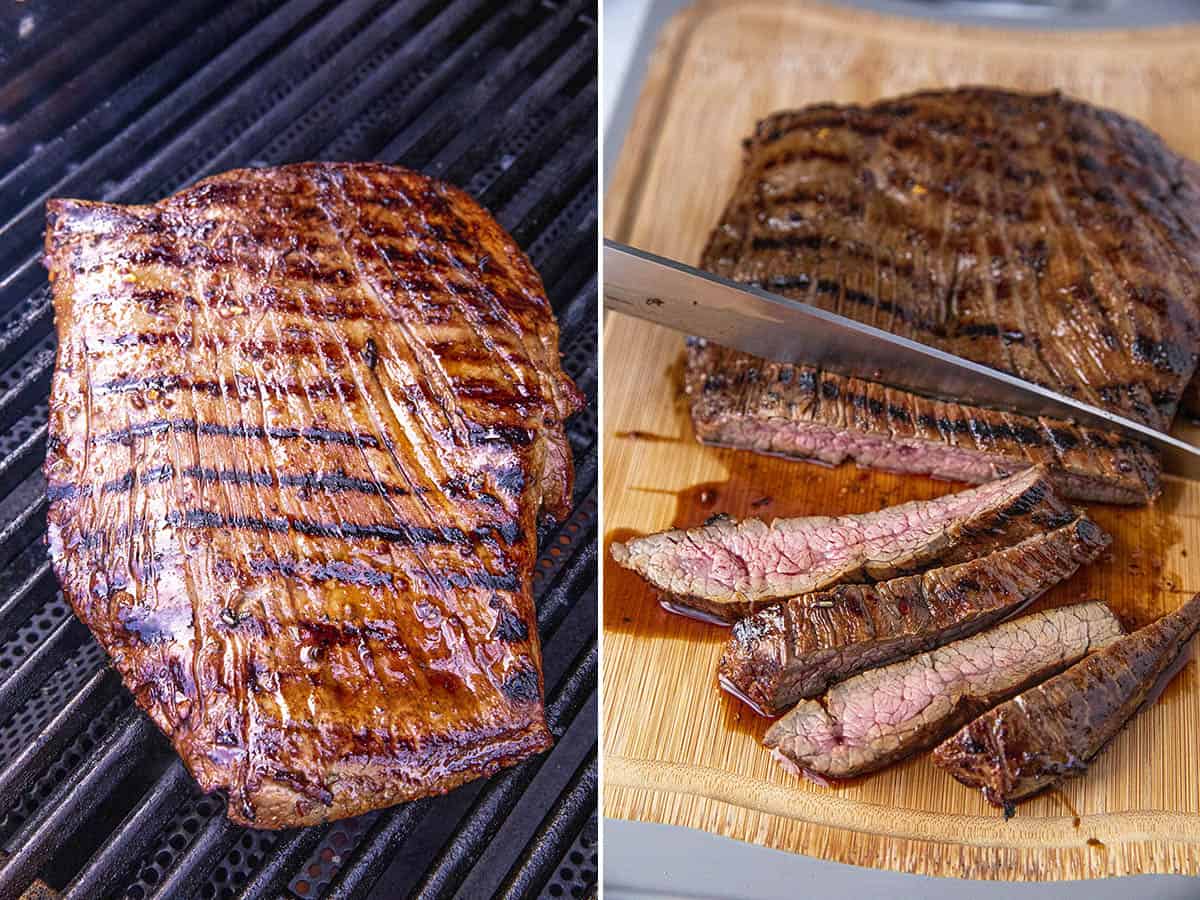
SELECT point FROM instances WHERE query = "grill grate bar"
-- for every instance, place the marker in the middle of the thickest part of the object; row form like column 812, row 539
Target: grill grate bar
column 528, row 211
column 373, row 854
column 36, row 667
column 498, row 798
column 31, row 80
column 303, row 83
column 29, row 597
column 339, row 68
column 187, row 143
column 471, row 107
column 23, row 460
column 74, row 98
column 191, row 870
column 310, row 144
column 534, row 869
column 28, row 390
column 70, row 804
column 136, row 832
column 524, row 167
column 468, row 150
column 287, row 856
column 26, row 187
column 26, row 526
column 23, row 769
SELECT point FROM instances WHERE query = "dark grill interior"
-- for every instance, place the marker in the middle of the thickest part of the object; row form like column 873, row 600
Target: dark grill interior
column 131, row 101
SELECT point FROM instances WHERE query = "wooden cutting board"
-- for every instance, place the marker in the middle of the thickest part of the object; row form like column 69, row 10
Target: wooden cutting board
column 675, row 749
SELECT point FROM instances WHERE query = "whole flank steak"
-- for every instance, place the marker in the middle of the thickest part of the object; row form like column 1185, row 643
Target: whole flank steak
column 1034, row 233
column 1053, row 730
column 883, row 715
column 798, row 648
column 303, row 424
column 727, row 569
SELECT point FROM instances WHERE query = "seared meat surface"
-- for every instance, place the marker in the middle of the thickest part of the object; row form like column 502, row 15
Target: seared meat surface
column 798, row 648
column 1053, row 730
column 727, row 569
column 303, row 424
column 1033, row 233
column 743, row 401
column 883, row 715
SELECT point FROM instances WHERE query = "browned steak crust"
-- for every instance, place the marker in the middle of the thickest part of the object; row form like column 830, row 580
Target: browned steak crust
column 1034, row 233
column 303, row 423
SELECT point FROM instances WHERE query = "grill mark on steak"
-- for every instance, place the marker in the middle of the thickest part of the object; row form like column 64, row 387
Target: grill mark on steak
column 1054, row 730
column 244, row 387
column 798, row 648
column 326, row 603
column 328, row 482
column 727, row 569
column 217, row 429
column 1093, row 256
column 406, row 534
column 743, row 401
column 883, row 715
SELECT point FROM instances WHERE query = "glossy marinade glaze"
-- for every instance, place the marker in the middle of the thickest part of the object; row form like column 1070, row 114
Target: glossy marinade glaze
column 304, row 422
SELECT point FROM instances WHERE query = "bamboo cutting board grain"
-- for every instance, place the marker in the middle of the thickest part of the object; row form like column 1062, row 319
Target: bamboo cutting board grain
column 675, row 749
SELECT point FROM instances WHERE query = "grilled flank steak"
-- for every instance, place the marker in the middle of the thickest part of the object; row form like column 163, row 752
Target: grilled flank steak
column 739, row 400
column 797, row 649
column 303, row 424
column 1033, row 233
column 883, row 715
column 1054, row 730
column 727, row 569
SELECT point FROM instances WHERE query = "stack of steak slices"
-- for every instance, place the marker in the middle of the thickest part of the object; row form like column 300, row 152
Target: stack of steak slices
column 1035, row 234
column 888, row 629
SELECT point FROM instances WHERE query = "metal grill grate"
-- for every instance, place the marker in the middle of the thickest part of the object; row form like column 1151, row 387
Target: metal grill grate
column 129, row 102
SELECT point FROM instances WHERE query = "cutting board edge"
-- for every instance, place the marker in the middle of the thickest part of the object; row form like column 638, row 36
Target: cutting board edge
column 632, row 793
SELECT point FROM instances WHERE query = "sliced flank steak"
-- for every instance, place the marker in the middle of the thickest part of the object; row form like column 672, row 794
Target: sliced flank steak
column 798, row 648
column 1054, row 730
column 727, row 569
column 800, row 412
column 883, row 715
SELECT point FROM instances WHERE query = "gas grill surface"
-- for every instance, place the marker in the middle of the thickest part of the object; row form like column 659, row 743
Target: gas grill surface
column 130, row 101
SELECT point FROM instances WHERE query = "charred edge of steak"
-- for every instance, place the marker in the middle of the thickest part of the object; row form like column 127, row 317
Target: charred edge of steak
column 798, row 648
column 800, row 412
column 1054, row 730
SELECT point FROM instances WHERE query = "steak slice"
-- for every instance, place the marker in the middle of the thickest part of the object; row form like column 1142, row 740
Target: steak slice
column 1033, row 233
column 883, row 715
column 798, row 648
column 1052, row 731
column 742, row 401
column 727, row 569
column 303, row 423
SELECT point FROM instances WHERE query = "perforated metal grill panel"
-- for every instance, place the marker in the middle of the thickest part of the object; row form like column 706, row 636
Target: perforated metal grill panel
column 129, row 102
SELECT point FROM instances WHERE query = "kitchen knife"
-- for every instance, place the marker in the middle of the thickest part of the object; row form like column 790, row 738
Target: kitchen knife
column 746, row 318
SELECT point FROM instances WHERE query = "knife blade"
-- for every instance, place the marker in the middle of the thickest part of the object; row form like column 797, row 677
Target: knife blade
column 784, row 329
